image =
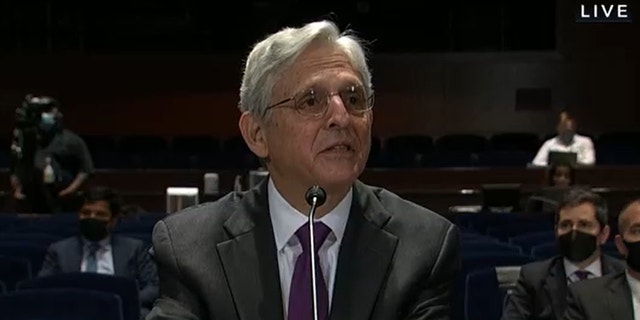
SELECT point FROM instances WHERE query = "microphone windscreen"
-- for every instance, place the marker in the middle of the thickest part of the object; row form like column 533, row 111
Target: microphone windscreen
column 315, row 192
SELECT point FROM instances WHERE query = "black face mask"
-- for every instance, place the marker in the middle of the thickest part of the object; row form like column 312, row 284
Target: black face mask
column 633, row 255
column 577, row 246
column 94, row 229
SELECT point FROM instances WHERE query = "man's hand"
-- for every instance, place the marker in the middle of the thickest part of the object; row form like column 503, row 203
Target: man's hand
column 18, row 195
column 65, row 192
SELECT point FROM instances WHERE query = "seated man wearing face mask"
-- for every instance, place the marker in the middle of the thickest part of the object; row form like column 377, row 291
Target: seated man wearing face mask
column 617, row 295
column 581, row 228
column 97, row 250
column 50, row 162
column 567, row 140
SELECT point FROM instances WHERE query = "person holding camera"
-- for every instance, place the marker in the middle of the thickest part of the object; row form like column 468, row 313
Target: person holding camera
column 50, row 163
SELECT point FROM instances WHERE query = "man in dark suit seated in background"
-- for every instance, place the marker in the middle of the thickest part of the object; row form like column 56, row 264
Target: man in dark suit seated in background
column 96, row 250
column 581, row 228
column 615, row 296
column 306, row 100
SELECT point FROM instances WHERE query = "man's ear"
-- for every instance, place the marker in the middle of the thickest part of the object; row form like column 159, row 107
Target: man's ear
column 252, row 130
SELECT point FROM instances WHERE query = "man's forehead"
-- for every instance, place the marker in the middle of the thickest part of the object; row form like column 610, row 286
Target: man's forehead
column 584, row 210
column 631, row 215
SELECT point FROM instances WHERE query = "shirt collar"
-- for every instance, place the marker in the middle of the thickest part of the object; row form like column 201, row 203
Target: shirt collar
column 286, row 220
column 595, row 268
column 103, row 244
column 634, row 284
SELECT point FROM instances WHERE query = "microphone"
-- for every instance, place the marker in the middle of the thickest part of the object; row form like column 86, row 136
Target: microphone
column 315, row 196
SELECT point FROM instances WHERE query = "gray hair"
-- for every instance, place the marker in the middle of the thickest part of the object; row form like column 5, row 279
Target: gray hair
column 271, row 56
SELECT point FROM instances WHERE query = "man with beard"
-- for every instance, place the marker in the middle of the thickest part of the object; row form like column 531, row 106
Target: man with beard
column 615, row 296
column 581, row 228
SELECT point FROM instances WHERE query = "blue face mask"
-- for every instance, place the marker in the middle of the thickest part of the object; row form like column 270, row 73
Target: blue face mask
column 47, row 121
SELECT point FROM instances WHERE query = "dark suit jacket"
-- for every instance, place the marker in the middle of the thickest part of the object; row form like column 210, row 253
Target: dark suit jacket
column 604, row 298
column 397, row 260
column 541, row 290
column 130, row 259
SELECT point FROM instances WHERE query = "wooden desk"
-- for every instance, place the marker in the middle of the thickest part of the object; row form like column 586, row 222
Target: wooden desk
column 435, row 188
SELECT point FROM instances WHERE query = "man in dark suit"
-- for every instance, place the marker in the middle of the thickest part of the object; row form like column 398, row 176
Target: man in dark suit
column 306, row 102
column 96, row 250
column 581, row 227
column 615, row 296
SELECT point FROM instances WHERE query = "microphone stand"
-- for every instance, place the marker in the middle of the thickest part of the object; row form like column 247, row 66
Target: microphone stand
column 312, row 244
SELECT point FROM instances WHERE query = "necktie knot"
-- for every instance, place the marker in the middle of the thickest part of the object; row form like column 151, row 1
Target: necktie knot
column 320, row 232
column 582, row 274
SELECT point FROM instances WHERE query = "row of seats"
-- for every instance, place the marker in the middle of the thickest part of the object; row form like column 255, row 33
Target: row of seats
column 505, row 149
column 488, row 241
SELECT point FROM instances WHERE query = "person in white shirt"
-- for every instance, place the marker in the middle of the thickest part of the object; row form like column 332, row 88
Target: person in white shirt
column 615, row 296
column 567, row 140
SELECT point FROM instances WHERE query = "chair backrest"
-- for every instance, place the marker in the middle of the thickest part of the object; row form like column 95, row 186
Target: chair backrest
column 125, row 288
column 33, row 252
column 531, row 239
column 14, row 270
column 483, row 299
column 35, row 238
column 68, row 304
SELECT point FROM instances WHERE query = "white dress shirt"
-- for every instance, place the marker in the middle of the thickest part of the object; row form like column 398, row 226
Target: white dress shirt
column 104, row 256
column 581, row 145
column 634, row 285
column 595, row 270
column 286, row 220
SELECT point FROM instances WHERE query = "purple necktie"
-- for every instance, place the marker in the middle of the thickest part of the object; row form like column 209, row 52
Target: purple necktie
column 582, row 274
column 300, row 296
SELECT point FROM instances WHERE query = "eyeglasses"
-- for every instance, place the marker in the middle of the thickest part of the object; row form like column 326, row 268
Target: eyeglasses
column 314, row 101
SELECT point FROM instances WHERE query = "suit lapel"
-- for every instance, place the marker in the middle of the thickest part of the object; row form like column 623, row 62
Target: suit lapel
column 364, row 258
column 249, row 259
column 119, row 261
column 74, row 261
column 619, row 298
column 555, row 288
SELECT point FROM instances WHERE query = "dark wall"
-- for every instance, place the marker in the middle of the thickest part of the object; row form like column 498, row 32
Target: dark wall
column 594, row 72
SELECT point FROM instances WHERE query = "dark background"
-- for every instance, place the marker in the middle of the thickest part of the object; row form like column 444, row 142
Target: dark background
column 173, row 67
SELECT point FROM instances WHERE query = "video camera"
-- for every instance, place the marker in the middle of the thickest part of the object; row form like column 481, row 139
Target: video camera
column 29, row 112
column 26, row 134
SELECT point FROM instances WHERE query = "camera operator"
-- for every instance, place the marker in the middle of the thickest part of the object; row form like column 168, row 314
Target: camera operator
column 49, row 163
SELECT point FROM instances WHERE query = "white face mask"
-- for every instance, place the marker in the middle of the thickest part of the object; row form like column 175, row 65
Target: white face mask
column 47, row 121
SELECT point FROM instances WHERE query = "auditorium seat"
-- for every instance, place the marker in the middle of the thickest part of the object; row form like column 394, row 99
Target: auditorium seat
column 196, row 152
column 505, row 158
column 471, row 143
column 406, row 151
column 35, row 238
column 125, row 288
column 529, row 240
column 32, row 252
column 449, row 159
column 237, row 154
column 144, row 151
column 14, row 270
column 483, row 298
column 375, row 153
column 515, row 141
column 104, row 150
column 68, row 304
column 488, row 247
column 618, row 148
column 504, row 232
